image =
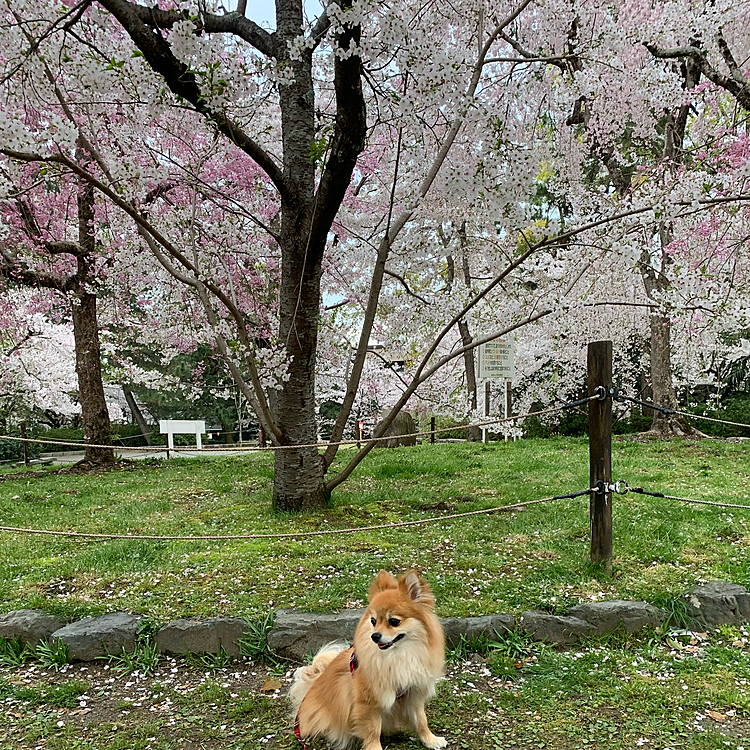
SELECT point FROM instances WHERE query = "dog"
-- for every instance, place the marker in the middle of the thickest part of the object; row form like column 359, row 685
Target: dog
column 381, row 684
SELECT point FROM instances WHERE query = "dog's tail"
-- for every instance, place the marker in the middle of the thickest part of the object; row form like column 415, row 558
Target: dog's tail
column 305, row 676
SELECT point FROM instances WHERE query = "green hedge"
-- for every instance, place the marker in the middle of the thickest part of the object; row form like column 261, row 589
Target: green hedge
column 11, row 450
column 734, row 408
column 122, row 434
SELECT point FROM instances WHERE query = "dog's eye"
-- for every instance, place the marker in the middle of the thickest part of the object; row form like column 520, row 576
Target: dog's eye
column 372, row 620
column 394, row 621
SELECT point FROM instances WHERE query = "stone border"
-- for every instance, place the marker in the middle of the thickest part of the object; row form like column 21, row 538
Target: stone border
column 297, row 634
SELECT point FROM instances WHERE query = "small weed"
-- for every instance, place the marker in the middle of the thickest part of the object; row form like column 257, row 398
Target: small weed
column 514, row 644
column 53, row 655
column 67, row 694
column 13, row 653
column 466, row 647
column 144, row 658
column 147, row 629
column 214, row 662
column 676, row 608
column 255, row 646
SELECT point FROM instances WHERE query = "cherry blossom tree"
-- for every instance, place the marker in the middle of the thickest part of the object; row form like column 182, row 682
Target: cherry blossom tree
column 50, row 243
column 38, row 360
column 362, row 142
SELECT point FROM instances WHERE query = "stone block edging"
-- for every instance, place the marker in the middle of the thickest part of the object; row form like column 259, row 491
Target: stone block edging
column 298, row 634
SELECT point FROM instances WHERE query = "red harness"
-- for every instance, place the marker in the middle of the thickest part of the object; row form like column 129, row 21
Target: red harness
column 353, row 664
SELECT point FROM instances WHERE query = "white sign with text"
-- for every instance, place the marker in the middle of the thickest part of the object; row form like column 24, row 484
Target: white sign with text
column 497, row 359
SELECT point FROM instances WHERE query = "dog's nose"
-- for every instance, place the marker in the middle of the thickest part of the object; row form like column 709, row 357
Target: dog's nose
column 376, row 637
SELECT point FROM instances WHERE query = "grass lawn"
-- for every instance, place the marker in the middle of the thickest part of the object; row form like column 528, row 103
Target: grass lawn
column 656, row 691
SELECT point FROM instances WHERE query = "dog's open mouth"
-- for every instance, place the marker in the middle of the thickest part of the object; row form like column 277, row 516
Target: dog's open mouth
column 384, row 646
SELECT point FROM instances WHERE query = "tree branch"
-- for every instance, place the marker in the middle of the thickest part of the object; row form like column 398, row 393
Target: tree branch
column 228, row 23
column 740, row 89
column 142, row 26
column 402, row 280
column 349, row 135
column 62, row 247
column 144, row 225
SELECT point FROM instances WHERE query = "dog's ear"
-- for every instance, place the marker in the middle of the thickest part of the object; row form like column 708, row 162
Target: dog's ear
column 383, row 582
column 416, row 588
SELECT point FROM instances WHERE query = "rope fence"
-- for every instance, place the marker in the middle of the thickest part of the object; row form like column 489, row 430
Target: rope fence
column 616, row 395
column 625, row 489
column 298, row 534
column 256, row 448
column 619, row 396
column 620, row 487
column 600, row 489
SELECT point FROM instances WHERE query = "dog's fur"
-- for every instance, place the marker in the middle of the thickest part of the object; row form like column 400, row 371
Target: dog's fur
column 400, row 650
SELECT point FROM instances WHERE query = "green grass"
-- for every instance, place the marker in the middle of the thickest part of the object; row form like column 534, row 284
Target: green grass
column 504, row 562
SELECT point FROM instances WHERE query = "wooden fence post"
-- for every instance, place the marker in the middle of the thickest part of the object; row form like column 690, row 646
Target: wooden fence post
column 600, row 452
column 432, row 430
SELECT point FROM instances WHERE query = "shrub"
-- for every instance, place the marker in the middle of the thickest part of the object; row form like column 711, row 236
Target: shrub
column 12, row 450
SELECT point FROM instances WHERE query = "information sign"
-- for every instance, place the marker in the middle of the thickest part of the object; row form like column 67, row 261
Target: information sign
column 497, row 359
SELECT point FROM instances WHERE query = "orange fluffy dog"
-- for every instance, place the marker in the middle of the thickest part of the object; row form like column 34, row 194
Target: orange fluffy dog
column 381, row 684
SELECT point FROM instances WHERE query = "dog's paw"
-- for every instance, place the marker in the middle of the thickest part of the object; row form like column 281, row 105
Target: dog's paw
column 434, row 743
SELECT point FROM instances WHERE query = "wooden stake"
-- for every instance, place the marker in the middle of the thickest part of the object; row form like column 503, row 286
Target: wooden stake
column 600, row 452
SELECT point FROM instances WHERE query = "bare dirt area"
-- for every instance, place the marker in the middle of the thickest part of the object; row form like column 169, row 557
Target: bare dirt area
column 181, row 705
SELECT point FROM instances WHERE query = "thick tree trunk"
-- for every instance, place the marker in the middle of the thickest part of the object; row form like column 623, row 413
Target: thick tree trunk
column 306, row 216
column 94, row 414
column 299, row 473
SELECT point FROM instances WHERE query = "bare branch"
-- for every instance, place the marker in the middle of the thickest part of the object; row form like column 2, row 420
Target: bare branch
column 738, row 87
column 228, row 23
column 402, row 280
column 62, row 247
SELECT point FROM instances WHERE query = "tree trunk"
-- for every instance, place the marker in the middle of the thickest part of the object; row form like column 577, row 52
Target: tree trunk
column 226, row 428
column 306, row 216
column 94, row 413
column 662, row 385
column 655, row 280
column 664, row 394
column 299, row 473
column 475, row 433
column 137, row 414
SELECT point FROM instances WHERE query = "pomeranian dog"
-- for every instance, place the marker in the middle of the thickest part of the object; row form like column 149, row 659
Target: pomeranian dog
column 380, row 685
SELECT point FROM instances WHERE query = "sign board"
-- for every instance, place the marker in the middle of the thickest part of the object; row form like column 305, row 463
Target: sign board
column 182, row 426
column 497, row 359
